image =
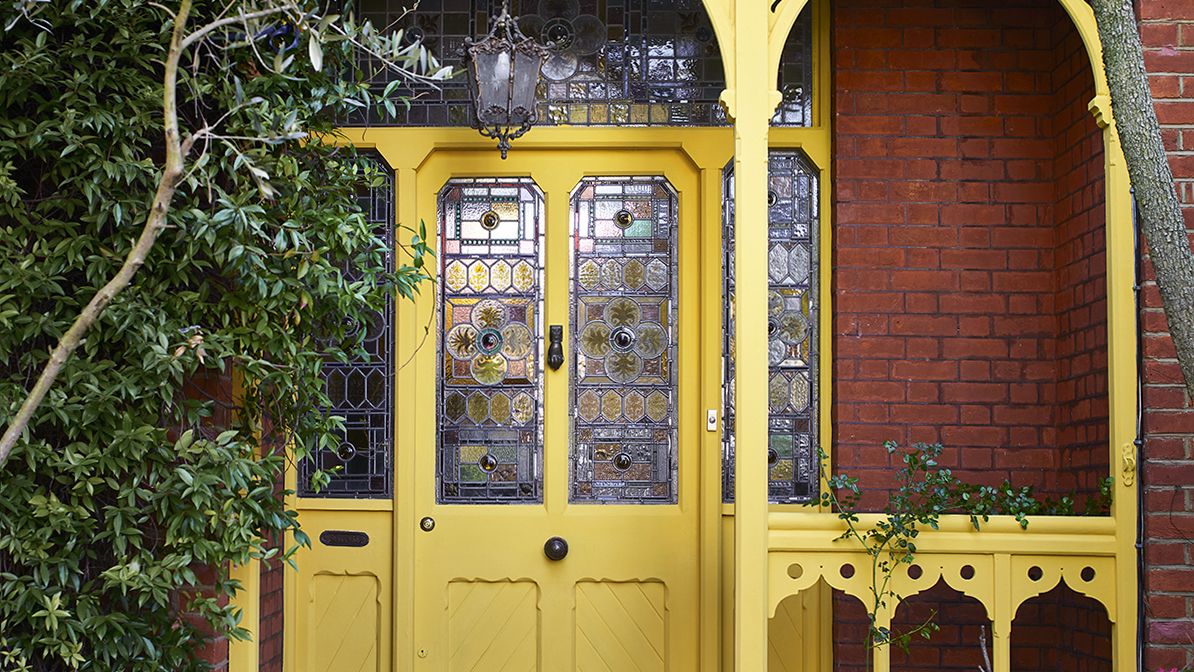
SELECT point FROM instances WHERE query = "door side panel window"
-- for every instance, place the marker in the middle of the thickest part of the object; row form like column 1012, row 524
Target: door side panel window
column 792, row 268
column 362, row 390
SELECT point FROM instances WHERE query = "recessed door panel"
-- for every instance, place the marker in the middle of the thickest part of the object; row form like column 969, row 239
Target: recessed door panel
column 345, row 626
column 621, row 625
column 493, row 626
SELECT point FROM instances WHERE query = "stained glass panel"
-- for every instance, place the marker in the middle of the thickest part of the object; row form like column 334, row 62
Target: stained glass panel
column 792, row 318
column 624, row 336
column 490, row 385
column 613, row 62
column 361, row 391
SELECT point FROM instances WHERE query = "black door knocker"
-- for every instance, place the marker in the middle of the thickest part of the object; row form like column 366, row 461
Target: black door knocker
column 555, row 349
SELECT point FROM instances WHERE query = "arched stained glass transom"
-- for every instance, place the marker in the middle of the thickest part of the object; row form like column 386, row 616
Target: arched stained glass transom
column 362, row 390
column 615, row 62
column 792, row 269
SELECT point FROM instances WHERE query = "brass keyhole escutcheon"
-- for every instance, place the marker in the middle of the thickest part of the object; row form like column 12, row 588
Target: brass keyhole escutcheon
column 623, row 218
column 427, row 524
column 490, row 220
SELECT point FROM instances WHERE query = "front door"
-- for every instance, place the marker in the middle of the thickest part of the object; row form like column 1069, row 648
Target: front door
column 556, row 483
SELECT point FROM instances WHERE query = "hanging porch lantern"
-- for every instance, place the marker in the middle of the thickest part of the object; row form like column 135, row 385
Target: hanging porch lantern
column 504, row 69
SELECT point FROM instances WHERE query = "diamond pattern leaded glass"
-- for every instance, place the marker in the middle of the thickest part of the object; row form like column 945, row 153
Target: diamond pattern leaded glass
column 361, row 391
column 624, row 294
column 614, row 62
column 792, row 318
column 490, row 352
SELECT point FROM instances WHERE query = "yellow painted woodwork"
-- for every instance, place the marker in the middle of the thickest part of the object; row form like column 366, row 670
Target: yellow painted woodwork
column 633, row 573
column 621, row 625
column 339, row 617
column 243, row 653
column 343, row 630
column 700, row 585
column 493, row 625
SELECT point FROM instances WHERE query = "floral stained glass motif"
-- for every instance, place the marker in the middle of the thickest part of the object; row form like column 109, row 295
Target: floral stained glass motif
column 361, row 390
column 791, row 327
column 624, row 333
column 611, row 62
column 490, row 382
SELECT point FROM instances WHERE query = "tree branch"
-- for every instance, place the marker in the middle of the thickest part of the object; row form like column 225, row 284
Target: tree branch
column 1152, row 179
column 154, row 223
column 229, row 20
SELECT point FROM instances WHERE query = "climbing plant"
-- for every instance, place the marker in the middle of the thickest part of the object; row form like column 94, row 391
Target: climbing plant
column 138, row 468
column 924, row 491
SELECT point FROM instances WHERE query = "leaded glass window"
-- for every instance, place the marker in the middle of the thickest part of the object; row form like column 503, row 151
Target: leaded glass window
column 614, row 62
column 793, row 221
column 624, row 284
column 361, row 391
column 490, row 342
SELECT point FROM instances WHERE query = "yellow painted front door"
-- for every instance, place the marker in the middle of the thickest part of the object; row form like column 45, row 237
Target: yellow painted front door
column 601, row 453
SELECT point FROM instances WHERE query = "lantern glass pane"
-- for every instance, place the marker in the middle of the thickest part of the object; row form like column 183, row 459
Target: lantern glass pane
column 526, row 78
column 493, row 79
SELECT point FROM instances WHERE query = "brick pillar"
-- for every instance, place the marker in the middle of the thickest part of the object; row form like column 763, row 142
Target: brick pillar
column 1167, row 29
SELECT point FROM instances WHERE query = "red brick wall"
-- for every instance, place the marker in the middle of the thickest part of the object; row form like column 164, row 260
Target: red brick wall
column 1061, row 631
column 215, row 387
column 962, row 203
column 272, row 616
column 1167, row 478
column 969, row 267
column 1080, row 265
column 955, row 646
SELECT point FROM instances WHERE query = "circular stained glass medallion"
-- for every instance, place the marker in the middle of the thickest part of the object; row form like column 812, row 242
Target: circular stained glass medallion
column 487, row 463
column 489, row 341
column 622, row 339
column 490, row 220
column 622, row 461
column 623, row 218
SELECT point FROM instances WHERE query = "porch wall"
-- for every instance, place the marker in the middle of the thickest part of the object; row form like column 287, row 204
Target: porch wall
column 1167, row 478
column 969, row 297
column 969, row 282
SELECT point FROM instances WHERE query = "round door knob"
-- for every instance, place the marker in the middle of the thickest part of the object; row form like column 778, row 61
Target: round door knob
column 555, row 548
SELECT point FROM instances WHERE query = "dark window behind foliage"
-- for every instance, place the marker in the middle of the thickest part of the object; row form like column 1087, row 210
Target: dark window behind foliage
column 362, row 391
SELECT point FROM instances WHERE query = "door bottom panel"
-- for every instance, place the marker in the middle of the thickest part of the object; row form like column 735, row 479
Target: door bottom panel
column 621, row 625
column 493, row 626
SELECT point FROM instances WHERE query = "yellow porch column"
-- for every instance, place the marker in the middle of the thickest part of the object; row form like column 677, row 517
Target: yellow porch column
column 752, row 100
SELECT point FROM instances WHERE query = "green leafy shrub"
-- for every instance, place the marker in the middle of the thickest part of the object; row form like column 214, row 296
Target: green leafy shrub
column 125, row 482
